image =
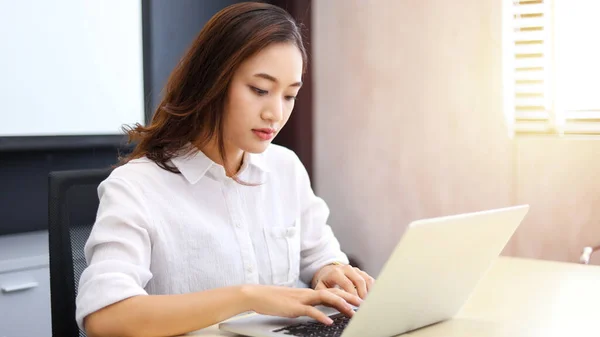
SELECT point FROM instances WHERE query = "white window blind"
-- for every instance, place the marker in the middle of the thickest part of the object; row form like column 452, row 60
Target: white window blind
column 552, row 66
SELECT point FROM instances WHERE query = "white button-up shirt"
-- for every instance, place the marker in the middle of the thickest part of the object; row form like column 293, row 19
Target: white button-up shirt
column 159, row 232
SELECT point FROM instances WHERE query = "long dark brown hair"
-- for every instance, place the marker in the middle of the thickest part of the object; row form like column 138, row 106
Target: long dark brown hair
column 192, row 107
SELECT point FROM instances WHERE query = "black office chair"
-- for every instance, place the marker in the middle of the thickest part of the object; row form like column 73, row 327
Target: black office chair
column 72, row 207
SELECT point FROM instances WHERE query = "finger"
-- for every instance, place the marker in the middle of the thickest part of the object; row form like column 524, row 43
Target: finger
column 340, row 278
column 358, row 280
column 315, row 313
column 330, row 299
column 368, row 278
column 320, row 286
column 351, row 299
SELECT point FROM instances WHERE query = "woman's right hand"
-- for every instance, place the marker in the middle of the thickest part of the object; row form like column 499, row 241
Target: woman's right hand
column 296, row 302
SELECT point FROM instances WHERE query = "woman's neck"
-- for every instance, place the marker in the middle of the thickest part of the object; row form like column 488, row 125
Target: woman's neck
column 234, row 156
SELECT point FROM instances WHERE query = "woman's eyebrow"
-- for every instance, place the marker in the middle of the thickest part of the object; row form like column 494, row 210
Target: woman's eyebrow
column 273, row 79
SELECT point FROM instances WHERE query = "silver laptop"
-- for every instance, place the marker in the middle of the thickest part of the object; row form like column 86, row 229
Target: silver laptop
column 428, row 278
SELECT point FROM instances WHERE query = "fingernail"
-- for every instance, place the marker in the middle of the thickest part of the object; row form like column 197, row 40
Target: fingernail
column 329, row 321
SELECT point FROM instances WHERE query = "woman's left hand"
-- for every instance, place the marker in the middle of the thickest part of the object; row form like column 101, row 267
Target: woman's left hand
column 350, row 279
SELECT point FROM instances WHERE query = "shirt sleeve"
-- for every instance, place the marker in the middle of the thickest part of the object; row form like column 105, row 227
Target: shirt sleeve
column 319, row 245
column 117, row 252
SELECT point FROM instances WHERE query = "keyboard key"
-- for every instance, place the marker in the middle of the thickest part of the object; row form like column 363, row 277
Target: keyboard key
column 317, row 329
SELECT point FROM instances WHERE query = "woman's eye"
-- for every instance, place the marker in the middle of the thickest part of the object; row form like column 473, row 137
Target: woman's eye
column 290, row 98
column 259, row 92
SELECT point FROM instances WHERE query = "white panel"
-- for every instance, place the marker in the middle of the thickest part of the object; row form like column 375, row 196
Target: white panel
column 533, row 62
column 529, row 88
column 529, row 22
column 70, row 67
column 530, row 75
column 577, row 54
column 529, row 9
column 537, row 48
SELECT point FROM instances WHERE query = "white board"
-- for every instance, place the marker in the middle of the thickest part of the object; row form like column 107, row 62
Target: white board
column 70, row 67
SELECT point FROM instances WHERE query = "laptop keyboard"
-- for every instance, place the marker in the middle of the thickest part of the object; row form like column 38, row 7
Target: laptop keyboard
column 317, row 329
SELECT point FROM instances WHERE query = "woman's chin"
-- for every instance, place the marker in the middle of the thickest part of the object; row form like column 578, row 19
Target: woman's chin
column 257, row 147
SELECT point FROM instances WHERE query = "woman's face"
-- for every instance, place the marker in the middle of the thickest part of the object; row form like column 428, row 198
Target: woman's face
column 261, row 97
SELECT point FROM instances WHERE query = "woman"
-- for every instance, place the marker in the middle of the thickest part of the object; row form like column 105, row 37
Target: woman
column 206, row 219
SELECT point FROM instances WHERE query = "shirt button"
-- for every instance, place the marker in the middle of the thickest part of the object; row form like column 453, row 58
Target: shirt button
column 249, row 269
column 238, row 224
column 290, row 232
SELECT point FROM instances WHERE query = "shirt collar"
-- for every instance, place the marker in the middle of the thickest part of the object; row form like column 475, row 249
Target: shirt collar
column 194, row 164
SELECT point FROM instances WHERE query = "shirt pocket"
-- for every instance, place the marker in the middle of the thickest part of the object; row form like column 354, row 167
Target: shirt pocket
column 283, row 245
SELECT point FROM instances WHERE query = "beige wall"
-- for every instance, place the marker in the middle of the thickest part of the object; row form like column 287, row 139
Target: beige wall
column 560, row 179
column 408, row 120
column 409, row 124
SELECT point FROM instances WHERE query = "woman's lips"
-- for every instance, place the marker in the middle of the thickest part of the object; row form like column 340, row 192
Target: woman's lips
column 264, row 134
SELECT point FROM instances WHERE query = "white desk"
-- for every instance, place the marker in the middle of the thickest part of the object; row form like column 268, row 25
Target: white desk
column 521, row 298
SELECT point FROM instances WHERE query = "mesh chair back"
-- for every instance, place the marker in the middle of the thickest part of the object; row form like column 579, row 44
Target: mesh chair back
column 72, row 208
